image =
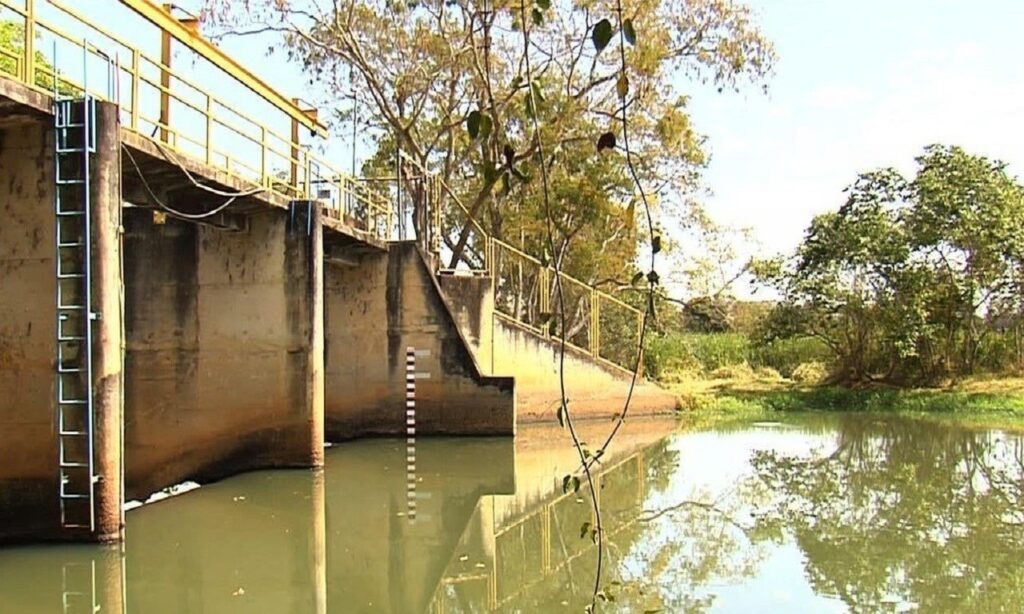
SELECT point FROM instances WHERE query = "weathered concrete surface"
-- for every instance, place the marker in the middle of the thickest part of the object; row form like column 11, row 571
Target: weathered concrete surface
column 222, row 367
column 28, row 443
column 107, row 327
column 29, row 506
column 375, row 311
column 594, row 390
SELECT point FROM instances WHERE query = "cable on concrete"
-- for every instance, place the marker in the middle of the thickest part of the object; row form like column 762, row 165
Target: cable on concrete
column 189, row 216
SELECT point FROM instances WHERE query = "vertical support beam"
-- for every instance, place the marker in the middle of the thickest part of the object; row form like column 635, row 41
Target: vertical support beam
column 165, row 80
column 108, row 339
column 135, row 89
column 209, row 128
column 294, row 162
column 315, row 365
column 29, row 63
column 595, row 323
column 265, row 180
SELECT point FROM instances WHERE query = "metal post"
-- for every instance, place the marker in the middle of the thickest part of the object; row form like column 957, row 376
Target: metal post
column 294, row 175
column 29, row 65
column 595, row 323
column 398, row 192
column 209, row 129
column 264, row 179
column 135, row 89
column 165, row 80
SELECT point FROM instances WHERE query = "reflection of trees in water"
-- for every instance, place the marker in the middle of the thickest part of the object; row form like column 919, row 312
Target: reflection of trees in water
column 658, row 558
column 906, row 513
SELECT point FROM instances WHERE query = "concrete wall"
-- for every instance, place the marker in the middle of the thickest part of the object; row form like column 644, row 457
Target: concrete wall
column 28, row 444
column 29, row 503
column 222, row 370
column 594, row 390
column 374, row 311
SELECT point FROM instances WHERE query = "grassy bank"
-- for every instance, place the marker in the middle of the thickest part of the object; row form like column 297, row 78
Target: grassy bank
column 982, row 400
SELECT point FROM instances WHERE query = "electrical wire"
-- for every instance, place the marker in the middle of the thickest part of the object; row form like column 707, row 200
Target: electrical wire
column 188, row 216
column 174, row 160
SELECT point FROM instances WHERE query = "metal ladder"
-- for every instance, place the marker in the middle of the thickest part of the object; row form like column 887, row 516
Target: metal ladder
column 74, row 146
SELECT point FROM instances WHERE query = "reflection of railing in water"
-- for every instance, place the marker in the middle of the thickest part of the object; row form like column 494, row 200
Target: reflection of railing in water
column 548, row 538
column 209, row 129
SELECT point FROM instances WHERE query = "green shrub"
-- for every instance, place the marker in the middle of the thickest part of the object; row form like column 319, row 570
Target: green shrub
column 707, row 352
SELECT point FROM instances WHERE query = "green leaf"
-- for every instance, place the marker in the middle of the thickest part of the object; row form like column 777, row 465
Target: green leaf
column 473, row 124
column 584, row 529
column 565, row 483
column 506, row 183
column 537, row 93
column 543, row 4
column 606, row 141
column 561, row 415
column 629, row 32
column 538, row 17
column 575, row 484
column 656, row 244
column 516, row 82
column 636, row 278
column 622, row 85
column 653, row 277
column 490, row 173
column 485, row 125
column 601, row 34
column 654, row 611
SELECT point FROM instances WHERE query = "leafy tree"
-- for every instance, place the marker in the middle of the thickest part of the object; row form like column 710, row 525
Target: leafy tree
column 898, row 282
column 445, row 82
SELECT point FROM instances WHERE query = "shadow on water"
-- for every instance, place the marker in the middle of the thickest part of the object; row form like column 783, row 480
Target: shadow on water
column 822, row 513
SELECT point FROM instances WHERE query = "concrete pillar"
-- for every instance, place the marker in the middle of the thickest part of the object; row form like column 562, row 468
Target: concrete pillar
column 225, row 346
column 108, row 339
column 308, row 254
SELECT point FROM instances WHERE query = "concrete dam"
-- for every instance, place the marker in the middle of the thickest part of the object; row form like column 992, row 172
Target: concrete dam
column 187, row 293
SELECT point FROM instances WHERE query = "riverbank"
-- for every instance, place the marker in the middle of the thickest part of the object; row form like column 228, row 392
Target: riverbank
column 985, row 401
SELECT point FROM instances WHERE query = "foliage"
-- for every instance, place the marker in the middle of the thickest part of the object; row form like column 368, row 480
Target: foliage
column 666, row 354
column 445, row 81
column 12, row 39
column 906, row 280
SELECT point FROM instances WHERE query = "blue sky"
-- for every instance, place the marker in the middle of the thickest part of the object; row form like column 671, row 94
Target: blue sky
column 860, row 85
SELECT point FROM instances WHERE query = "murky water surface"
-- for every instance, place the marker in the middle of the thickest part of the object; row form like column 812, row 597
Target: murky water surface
column 817, row 514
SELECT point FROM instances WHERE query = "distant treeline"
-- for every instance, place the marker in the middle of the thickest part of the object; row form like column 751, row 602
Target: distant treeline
column 911, row 282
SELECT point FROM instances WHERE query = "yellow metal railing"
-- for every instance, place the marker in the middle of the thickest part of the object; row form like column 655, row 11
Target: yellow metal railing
column 205, row 128
column 596, row 323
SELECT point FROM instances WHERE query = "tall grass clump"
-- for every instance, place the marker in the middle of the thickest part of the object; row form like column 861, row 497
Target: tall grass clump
column 708, row 352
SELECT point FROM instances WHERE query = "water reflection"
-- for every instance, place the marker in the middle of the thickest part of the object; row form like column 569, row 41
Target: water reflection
column 823, row 513
column 908, row 515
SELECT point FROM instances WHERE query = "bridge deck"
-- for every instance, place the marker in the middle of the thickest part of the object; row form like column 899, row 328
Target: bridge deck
column 153, row 168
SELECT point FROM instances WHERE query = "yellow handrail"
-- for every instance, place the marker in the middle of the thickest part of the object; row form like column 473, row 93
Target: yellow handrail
column 265, row 158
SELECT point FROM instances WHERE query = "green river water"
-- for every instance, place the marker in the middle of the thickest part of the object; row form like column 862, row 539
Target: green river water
column 819, row 513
